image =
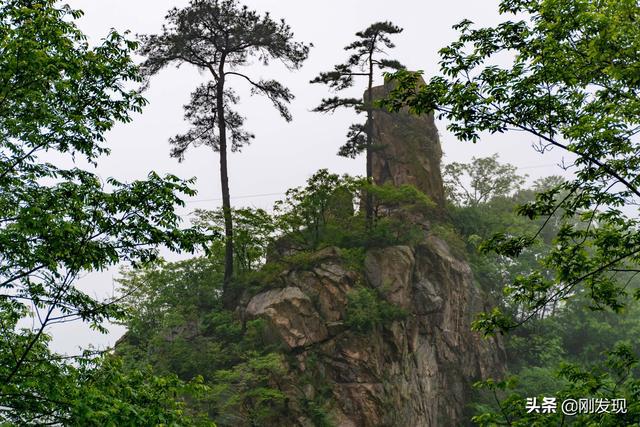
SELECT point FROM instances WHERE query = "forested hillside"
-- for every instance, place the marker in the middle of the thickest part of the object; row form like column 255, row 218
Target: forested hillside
column 422, row 293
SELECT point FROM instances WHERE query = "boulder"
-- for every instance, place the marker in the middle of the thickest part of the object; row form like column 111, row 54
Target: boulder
column 291, row 314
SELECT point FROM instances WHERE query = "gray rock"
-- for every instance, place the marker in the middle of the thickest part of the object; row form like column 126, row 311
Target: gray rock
column 292, row 315
column 390, row 270
column 409, row 151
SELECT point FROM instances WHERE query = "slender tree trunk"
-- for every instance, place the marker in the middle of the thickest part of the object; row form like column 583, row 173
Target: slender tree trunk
column 369, row 132
column 227, row 298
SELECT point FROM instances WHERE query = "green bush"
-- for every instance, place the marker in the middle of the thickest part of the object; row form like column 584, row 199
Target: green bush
column 366, row 310
column 354, row 258
column 177, row 325
column 324, row 213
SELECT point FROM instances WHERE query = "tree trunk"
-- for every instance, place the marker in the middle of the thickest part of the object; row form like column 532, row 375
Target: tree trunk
column 227, row 298
column 369, row 132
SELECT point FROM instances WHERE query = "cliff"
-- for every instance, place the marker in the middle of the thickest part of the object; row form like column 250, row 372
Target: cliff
column 412, row 371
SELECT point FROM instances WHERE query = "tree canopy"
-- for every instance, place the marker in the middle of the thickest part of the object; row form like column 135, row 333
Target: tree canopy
column 59, row 95
column 571, row 82
column 479, row 181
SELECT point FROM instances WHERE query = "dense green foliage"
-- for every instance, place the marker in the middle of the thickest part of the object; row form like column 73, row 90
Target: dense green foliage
column 59, row 96
column 569, row 350
column 367, row 310
column 325, row 213
column 177, row 324
column 105, row 394
column 570, row 81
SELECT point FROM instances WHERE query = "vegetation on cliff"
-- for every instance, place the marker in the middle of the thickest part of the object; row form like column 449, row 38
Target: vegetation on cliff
column 351, row 289
column 176, row 320
column 572, row 349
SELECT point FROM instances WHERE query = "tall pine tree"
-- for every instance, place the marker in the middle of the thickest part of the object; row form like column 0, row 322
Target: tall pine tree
column 222, row 37
column 363, row 62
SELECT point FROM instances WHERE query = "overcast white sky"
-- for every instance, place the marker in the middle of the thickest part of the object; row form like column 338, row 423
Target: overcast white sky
column 283, row 155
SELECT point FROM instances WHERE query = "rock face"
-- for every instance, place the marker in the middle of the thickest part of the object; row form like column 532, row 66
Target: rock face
column 292, row 313
column 412, row 372
column 407, row 149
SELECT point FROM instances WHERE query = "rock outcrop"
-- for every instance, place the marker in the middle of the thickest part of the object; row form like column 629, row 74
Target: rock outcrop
column 416, row 371
column 407, row 149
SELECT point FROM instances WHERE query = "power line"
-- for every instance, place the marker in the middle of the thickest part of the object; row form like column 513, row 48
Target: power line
column 539, row 166
column 252, row 196
column 248, row 196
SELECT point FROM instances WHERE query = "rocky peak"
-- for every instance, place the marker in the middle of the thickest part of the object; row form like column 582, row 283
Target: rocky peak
column 415, row 371
column 407, row 149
